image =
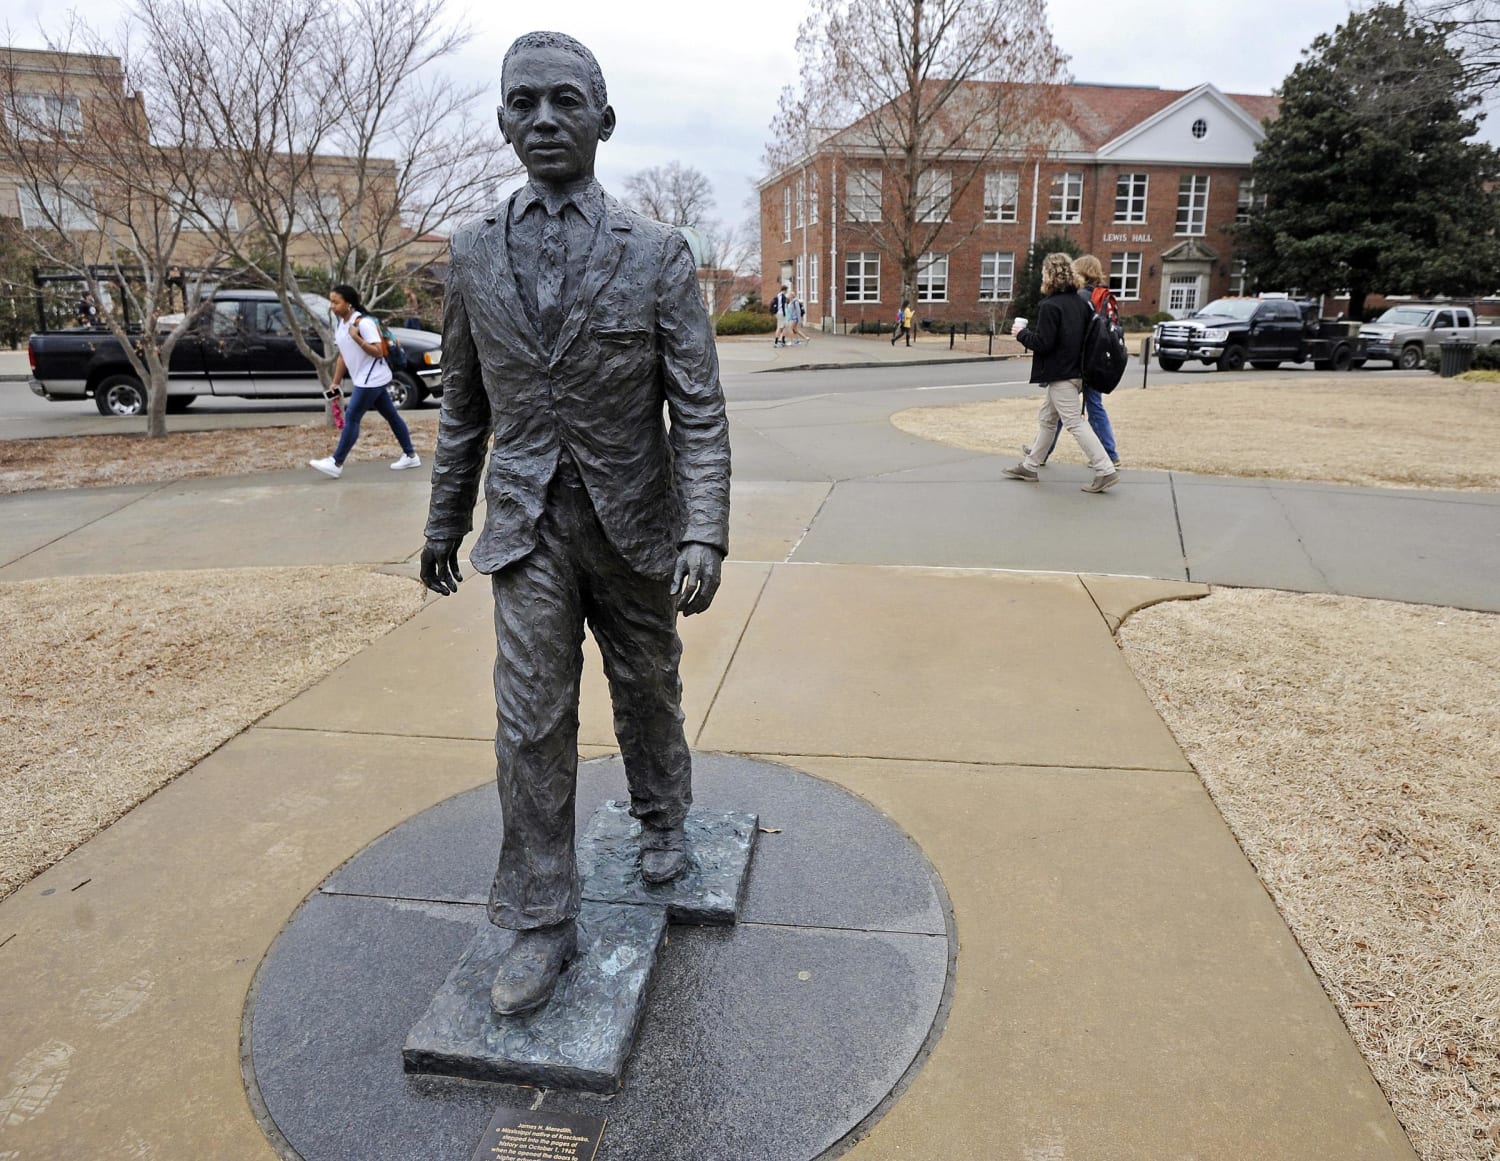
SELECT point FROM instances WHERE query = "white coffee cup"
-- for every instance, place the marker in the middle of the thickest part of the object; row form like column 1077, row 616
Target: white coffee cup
column 1017, row 326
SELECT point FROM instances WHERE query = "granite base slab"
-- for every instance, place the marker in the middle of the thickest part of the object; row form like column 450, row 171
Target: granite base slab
column 719, row 848
column 580, row 1039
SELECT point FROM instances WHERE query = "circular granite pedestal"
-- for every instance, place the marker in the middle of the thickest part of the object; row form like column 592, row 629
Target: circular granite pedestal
column 780, row 1039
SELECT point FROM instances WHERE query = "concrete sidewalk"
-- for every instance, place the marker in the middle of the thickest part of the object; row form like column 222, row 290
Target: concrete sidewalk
column 1125, row 988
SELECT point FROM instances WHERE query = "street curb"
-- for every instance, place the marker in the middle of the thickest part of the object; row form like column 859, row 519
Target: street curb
column 902, row 363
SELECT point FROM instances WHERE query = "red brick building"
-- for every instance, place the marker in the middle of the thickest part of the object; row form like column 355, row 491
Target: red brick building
column 1149, row 180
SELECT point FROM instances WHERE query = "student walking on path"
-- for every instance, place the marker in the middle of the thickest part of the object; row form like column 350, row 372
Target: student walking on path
column 903, row 325
column 779, row 307
column 362, row 358
column 1096, row 290
column 1056, row 345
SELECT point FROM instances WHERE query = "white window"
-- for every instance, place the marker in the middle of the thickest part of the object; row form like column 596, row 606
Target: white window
column 799, row 284
column 800, row 214
column 862, row 195
column 1125, row 275
column 812, row 275
column 1244, row 205
column 41, row 116
column 934, row 195
column 932, row 278
column 786, row 214
column 208, row 212
column 1192, row 203
column 1182, row 293
column 1239, row 278
column 1066, row 204
column 997, row 276
column 316, row 213
column 52, row 207
column 1130, row 198
column 862, row 276
column 812, row 200
column 1001, row 193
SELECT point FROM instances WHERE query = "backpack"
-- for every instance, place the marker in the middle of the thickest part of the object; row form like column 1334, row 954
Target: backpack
column 391, row 350
column 1104, row 353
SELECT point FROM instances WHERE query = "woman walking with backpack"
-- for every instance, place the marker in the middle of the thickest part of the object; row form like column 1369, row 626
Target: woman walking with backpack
column 1055, row 341
column 1099, row 296
column 362, row 358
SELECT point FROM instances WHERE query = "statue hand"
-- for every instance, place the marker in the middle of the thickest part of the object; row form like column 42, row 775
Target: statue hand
column 440, row 566
column 697, row 577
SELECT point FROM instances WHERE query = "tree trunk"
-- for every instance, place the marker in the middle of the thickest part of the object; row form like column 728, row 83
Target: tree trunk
column 156, row 401
column 1357, row 296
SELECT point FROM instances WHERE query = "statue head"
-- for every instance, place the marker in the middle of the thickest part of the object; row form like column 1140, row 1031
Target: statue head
column 555, row 107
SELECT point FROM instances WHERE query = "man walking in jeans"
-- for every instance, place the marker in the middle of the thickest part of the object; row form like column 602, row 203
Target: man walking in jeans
column 362, row 357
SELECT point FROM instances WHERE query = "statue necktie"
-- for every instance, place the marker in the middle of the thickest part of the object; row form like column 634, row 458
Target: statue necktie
column 549, row 277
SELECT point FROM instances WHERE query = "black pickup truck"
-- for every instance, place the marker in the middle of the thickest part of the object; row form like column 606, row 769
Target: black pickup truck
column 1264, row 332
column 243, row 347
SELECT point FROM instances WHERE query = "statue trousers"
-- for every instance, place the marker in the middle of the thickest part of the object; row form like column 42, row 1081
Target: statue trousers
column 573, row 576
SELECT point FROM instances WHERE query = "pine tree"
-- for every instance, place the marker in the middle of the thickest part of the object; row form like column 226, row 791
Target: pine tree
column 1367, row 180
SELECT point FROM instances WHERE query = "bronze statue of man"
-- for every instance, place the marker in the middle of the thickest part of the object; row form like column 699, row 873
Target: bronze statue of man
column 577, row 352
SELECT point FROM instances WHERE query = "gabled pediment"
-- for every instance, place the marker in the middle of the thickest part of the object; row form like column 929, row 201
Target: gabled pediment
column 1190, row 250
column 1201, row 127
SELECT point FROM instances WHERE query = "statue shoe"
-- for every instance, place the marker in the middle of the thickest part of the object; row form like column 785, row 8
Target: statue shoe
column 663, row 853
column 530, row 966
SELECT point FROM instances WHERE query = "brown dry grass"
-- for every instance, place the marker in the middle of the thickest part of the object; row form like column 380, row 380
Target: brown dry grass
column 94, row 461
column 1353, row 746
column 109, row 690
column 1343, row 429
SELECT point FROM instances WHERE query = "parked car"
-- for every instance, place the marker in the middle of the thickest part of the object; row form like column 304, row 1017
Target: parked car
column 1403, row 334
column 1264, row 332
column 243, row 347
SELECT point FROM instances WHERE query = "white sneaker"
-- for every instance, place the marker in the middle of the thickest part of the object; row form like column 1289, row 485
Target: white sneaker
column 411, row 461
column 326, row 466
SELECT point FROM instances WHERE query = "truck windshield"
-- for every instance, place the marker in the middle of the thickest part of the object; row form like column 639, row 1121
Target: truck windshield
column 1236, row 308
column 1406, row 316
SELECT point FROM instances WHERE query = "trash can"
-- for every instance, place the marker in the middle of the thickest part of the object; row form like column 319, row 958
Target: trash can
column 1457, row 357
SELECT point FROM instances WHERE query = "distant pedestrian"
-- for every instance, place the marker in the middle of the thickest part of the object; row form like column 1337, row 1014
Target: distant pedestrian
column 1055, row 341
column 779, row 306
column 412, row 307
column 1101, row 299
column 903, row 325
column 87, row 311
column 362, row 358
column 795, row 313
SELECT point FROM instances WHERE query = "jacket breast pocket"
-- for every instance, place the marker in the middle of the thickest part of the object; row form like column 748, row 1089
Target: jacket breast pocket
column 621, row 336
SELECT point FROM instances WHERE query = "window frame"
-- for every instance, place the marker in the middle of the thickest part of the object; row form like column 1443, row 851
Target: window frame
column 1059, row 199
column 858, row 204
column 1120, row 280
column 867, row 260
column 934, row 203
column 78, row 211
column 1189, row 203
column 1139, row 190
column 1005, row 210
column 930, row 288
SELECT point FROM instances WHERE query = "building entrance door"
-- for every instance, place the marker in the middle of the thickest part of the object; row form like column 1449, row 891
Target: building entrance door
column 1184, row 294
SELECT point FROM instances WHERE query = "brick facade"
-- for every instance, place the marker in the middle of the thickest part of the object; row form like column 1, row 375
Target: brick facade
column 967, row 238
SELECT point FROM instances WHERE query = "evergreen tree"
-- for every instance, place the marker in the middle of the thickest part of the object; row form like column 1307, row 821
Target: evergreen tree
column 1367, row 181
column 1028, row 293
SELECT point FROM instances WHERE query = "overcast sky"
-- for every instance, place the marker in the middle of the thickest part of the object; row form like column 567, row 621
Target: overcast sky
column 698, row 82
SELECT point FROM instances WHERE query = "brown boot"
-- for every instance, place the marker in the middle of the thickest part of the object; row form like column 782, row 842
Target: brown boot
column 663, row 853
column 529, row 968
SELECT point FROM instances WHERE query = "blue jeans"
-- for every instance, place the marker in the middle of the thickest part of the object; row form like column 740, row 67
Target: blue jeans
column 1093, row 406
column 363, row 399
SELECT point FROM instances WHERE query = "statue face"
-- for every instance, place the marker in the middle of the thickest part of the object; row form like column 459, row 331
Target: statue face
column 548, row 116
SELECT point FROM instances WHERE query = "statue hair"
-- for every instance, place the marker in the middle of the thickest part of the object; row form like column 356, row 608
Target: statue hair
column 561, row 40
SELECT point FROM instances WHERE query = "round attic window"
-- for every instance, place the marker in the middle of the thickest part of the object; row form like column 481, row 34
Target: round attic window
column 1200, row 128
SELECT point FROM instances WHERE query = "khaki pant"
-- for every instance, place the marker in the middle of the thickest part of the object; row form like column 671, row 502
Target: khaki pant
column 1064, row 404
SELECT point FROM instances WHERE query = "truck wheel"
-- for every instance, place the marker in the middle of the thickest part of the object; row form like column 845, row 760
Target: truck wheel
column 406, row 391
column 1411, row 357
column 1343, row 358
column 1233, row 359
column 1167, row 364
column 1264, row 364
column 177, row 404
column 120, row 395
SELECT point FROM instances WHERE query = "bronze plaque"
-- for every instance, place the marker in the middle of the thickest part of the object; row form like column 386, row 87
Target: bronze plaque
column 523, row 1135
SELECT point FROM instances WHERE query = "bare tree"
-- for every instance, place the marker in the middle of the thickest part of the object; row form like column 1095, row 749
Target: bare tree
column 729, row 265
column 928, row 93
column 345, row 148
column 676, row 194
column 1472, row 26
column 102, row 192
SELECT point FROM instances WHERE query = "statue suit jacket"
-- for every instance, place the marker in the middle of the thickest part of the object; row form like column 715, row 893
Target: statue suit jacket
column 635, row 338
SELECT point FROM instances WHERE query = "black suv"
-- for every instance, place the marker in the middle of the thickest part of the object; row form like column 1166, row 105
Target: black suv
column 1264, row 332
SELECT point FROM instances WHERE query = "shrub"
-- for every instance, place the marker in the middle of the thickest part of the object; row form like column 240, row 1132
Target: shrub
column 1486, row 358
column 745, row 322
column 1160, row 317
column 873, row 327
column 1137, row 322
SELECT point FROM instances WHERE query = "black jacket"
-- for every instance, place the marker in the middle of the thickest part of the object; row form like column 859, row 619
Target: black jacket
column 1055, row 339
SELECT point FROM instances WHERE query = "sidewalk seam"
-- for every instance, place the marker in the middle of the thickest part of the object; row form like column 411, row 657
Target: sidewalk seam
column 103, row 516
column 733, row 653
column 1187, row 569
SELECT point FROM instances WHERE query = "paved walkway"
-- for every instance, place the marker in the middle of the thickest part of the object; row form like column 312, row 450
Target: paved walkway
column 1125, row 988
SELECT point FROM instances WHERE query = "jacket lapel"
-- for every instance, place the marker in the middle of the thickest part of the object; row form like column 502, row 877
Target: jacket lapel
column 499, row 279
column 604, row 260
